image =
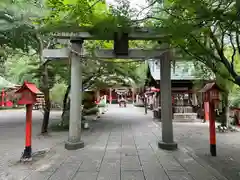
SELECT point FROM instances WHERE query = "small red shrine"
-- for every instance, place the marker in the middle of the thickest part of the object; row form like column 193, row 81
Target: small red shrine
column 29, row 93
column 212, row 93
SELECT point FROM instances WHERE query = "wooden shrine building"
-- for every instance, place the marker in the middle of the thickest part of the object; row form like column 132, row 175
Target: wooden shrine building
column 182, row 82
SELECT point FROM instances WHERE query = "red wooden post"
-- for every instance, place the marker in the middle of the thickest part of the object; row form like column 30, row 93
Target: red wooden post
column 211, row 96
column 28, row 136
column 212, row 130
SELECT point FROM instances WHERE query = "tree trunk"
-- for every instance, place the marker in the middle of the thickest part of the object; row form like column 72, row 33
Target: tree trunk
column 66, row 98
column 45, row 85
column 227, row 110
column 65, row 103
column 225, row 113
column 47, row 106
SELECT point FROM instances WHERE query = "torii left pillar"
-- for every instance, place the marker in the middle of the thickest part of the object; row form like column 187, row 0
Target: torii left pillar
column 74, row 138
column 167, row 142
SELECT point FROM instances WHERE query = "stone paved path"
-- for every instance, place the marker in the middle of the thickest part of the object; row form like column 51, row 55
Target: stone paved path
column 124, row 149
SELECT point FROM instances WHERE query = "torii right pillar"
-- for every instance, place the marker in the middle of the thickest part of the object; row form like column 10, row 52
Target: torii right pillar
column 167, row 142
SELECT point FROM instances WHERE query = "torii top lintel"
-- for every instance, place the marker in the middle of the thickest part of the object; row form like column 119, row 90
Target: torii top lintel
column 139, row 34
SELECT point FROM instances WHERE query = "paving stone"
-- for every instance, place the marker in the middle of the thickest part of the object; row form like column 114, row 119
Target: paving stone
column 153, row 171
column 128, row 145
column 14, row 174
column 96, row 154
column 175, row 175
column 113, row 147
column 128, row 142
column 130, row 163
column 194, row 168
column 39, row 176
column 114, row 143
column 100, row 147
column 48, row 167
column 146, row 155
column 127, row 137
column 110, row 166
column 115, row 138
column 108, row 176
column 85, row 176
column 132, row 175
column 91, row 166
column 112, row 154
column 65, row 171
column 171, row 164
column 168, row 161
column 142, row 145
column 58, row 158
column 128, row 151
column 73, row 160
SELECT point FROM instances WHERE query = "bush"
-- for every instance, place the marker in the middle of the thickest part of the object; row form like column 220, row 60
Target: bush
column 65, row 126
column 89, row 105
column 57, row 93
column 139, row 105
column 11, row 108
column 90, row 111
column 58, row 127
column 101, row 105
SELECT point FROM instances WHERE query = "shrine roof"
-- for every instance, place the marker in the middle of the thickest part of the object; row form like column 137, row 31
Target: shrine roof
column 32, row 87
column 184, row 70
column 210, row 86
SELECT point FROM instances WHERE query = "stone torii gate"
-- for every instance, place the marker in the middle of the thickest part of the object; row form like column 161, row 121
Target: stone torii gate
column 120, row 51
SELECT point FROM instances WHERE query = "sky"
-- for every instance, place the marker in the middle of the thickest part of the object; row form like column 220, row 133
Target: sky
column 136, row 4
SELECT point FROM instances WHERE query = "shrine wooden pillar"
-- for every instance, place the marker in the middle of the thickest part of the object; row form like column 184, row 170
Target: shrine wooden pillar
column 133, row 95
column 98, row 95
column 2, row 97
column 110, row 96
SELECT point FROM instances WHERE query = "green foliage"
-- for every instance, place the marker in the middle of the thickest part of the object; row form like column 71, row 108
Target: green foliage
column 92, row 16
column 235, row 97
column 57, row 92
column 18, row 66
column 16, row 24
column 203, row 31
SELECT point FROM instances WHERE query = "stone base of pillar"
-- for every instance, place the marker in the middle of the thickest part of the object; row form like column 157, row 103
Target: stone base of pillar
column 74, row 146
column 167, row 146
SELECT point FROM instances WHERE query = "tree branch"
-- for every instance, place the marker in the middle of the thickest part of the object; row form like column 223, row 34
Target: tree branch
column 238, row 42
column 222, row 36
column 207, row 51
column 220, row 52
column 234, row 51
